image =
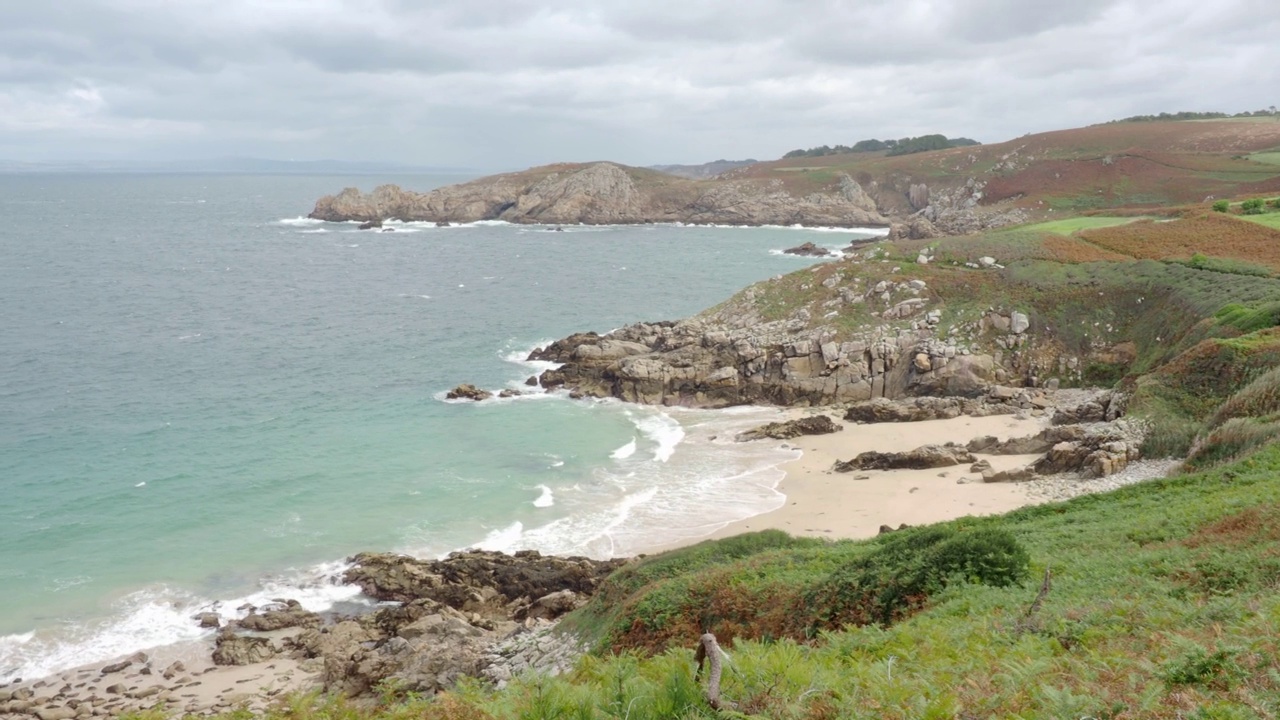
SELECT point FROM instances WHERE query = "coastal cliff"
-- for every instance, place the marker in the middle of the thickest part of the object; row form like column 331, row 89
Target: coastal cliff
column 606, row 193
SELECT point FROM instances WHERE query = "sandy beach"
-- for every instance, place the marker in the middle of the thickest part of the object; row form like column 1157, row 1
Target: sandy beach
column 818, row 502
column 823, row 503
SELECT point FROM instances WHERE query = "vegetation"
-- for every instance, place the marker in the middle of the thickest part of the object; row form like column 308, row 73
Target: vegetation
column 1186, row 115
column 1164, row 602
column 1221, row 206
column 905, row 146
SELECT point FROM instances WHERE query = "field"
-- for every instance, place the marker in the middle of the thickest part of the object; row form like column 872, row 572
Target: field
column 1068, row 226
column 1135, row 165
column 1213, row 235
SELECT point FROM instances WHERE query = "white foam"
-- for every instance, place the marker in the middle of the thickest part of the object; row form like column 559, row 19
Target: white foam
column 313, row 231
column 546, row 499
column 505, row 539
column 625, row 451
column 663, row 430
column 299, row 221
column 156, row 617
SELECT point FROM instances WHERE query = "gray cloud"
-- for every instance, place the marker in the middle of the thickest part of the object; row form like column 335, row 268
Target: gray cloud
column 510, row 83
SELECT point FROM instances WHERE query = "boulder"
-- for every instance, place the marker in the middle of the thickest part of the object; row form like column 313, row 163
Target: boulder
column 1015, row 475
column 371, row 224
column 921, row 458
column 467, row 391
column 292, row 615
column 808, row 249
column 812, row 425
column 233, row 649
column 209, row 620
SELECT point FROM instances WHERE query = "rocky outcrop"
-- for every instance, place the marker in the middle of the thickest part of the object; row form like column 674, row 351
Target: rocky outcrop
column 475, row 580
column 287, row 614
column 467, row 391
column 814, row 425
column 606, row 193
column 808, row 249
column 921, row 458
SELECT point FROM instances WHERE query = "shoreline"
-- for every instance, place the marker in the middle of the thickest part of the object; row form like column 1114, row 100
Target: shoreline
column 818, row 502
column 822, row 503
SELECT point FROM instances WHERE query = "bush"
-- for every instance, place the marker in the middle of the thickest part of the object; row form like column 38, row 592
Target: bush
column 1234, row 439
column 908, row 567
column 1221, row 206
column 1252, row 206
column 1259, row 398
column 1275, row 203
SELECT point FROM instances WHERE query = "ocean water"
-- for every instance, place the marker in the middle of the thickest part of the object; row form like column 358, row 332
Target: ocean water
column 206, row 398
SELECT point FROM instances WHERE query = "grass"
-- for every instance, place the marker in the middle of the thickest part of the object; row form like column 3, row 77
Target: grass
column 1271, row 157
column 1164, row 603
column 1067, row 226
column 1270, row 220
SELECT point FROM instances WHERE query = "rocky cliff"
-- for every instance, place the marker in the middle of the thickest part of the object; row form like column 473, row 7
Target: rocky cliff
column 605, row 193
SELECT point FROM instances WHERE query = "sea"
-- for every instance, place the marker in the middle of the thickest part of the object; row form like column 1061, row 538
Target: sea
column 207, row 399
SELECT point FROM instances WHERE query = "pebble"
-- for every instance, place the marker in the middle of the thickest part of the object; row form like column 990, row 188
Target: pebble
column 1053, row 488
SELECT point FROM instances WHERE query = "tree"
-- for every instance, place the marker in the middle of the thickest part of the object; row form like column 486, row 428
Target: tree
column 1221, row 206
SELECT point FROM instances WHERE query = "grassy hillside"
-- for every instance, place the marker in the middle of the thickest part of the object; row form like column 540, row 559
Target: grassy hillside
column 1069, row 171
column 1164, row 602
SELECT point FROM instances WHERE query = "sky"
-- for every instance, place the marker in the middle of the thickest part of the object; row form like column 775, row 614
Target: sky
column 505, row 84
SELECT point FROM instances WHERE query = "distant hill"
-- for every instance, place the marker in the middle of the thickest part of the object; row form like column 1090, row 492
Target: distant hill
column 1124, row 164
column 703, row 171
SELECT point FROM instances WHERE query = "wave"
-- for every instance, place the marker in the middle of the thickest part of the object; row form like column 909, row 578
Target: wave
column 546, row 499
column 159, row 616
column 299, row 221
column 625, row 451
column 507, row 539
column 664, row 431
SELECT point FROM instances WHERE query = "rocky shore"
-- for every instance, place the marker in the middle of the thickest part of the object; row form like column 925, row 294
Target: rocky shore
column 475, row 613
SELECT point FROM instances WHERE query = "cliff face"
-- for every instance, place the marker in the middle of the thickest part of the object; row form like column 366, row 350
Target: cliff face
column 733, row 355
column 605, row 193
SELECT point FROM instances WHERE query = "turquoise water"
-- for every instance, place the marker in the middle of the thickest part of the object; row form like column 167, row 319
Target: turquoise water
column 205, row 397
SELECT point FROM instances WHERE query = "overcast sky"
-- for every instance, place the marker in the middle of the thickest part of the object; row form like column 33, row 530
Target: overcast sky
column 492, row 84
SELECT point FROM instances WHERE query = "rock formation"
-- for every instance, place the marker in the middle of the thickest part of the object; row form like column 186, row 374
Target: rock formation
column 808, row 249
column 815, row 425
column 606, row 193
column 922, row 458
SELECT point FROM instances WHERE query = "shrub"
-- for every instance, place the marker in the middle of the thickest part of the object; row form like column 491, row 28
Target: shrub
column 1234, row 439
column 1252, row 206
column 908, row 567
column 1275, row 203
column 1221, row 206
column 1200, row 667
column 1259, row 398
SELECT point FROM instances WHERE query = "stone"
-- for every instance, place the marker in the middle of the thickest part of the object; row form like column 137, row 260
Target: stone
column 986, row 261
column 922, row 362
column 209, row 620
column 1019, row 323
column 921, row 458
column 808, row 249
column 982, row 466
column 232, row 649
column 467, row 391
column 812, row 425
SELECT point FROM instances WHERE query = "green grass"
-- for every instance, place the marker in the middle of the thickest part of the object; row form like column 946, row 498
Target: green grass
column 1164, row 603
column 1271, row 157
column 1271, row 219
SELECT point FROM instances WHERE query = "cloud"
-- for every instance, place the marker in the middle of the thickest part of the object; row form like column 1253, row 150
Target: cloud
column 510, row 83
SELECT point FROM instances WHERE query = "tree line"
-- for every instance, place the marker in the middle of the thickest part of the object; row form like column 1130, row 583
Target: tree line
column 904, row 146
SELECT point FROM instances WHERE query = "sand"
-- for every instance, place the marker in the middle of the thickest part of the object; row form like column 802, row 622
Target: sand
column 818, row 502
column 823, row 503
column 179, row 679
